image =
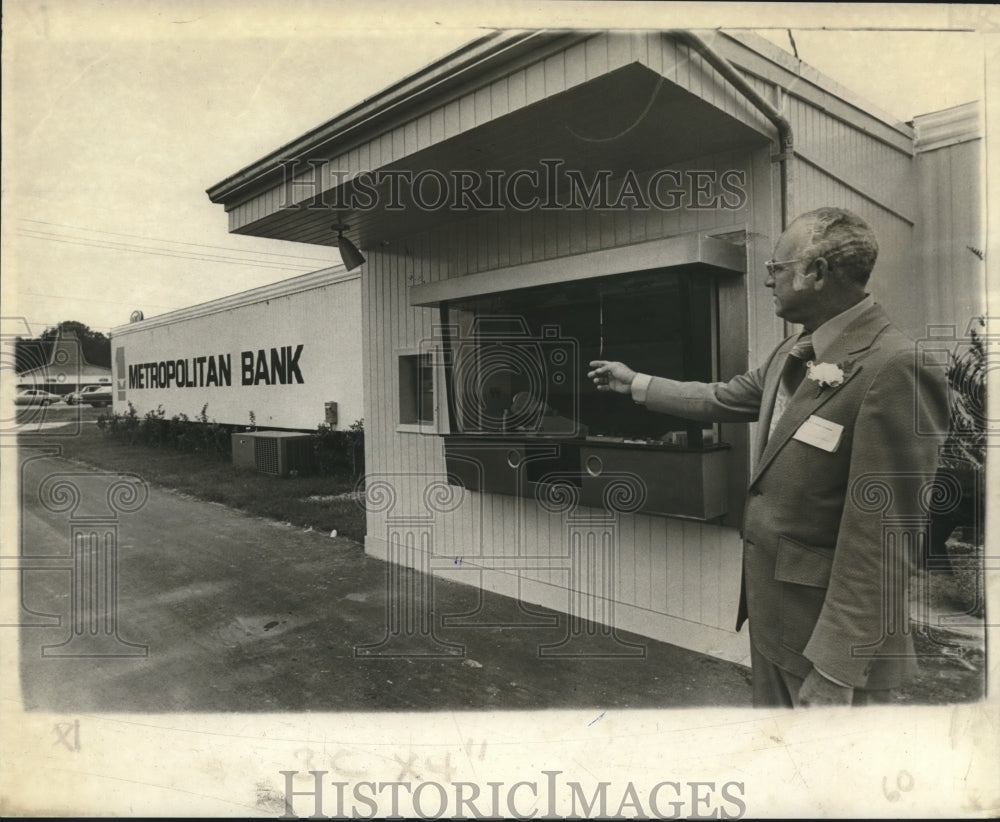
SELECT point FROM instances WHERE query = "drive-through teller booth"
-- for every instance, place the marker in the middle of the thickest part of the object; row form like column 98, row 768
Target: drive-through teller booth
column 522, row 415
column 538, row 199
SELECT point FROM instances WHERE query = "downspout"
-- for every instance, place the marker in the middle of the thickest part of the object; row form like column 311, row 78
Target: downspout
column 785, row 154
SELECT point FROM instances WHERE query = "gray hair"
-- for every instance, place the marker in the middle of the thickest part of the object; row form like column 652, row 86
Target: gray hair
column 845, row 240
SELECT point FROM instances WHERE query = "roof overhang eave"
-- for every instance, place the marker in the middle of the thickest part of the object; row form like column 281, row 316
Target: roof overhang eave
column 455, row 69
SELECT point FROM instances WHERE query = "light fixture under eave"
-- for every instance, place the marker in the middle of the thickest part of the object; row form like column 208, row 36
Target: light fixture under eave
column 348, row 251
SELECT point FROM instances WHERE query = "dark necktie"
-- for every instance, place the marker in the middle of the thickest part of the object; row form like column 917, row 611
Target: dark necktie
column 792, row 374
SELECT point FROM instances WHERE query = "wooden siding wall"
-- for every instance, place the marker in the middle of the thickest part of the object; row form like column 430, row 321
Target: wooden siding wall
column 670, row 567
column 844, row 162
column 498, row 240
column 894, row 282
column 950, row 226
column 667, row 568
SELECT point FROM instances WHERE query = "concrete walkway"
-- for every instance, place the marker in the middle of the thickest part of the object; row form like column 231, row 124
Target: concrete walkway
column 221, row 611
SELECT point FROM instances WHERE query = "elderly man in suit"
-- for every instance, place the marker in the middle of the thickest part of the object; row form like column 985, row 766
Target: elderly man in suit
column 840, row 401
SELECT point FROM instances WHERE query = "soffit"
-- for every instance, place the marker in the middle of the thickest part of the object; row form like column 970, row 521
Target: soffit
column 630, row 119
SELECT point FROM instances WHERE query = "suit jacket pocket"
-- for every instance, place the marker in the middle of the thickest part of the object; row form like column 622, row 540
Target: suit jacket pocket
column 805, row 574
column 802, row 565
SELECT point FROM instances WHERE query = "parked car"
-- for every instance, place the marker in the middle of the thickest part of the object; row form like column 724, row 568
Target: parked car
column 77, row 396
column 95, row 395
column 36, row 396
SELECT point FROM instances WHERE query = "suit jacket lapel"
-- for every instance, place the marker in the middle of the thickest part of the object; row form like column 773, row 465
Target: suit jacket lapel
column 769, row 395
column 852, row 347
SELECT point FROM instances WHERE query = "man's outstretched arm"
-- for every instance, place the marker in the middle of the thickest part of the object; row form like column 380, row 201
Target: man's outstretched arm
column 735, row 401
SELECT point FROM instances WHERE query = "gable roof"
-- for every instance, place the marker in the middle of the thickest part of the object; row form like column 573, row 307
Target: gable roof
column 503, row 51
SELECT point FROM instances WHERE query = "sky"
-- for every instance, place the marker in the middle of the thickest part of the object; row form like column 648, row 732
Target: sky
column 118, row 115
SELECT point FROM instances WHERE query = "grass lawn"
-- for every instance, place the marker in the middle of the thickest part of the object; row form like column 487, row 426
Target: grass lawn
column 322, row 502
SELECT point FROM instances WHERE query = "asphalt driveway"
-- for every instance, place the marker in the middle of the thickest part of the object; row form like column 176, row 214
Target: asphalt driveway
column 216, row 610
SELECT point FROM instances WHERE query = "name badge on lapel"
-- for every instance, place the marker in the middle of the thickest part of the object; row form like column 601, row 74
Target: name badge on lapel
column 820, row 433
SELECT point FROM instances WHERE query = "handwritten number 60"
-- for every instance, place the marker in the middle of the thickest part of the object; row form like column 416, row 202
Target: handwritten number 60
column 904, row 783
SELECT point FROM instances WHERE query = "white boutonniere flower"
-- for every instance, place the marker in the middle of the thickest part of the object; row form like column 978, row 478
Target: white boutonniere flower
column 826, row 374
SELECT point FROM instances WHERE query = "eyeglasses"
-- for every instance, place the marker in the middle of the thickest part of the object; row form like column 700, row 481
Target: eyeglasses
column 772, row 265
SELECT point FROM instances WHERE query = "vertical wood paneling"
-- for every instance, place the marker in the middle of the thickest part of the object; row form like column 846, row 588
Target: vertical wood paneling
column 394, row 145
column 365, row 159
column 685, row 77
column 517, row 90
column 531, row 523
column 597, row 57
column 534, row 82
column 498, row 98
column 382, row 150
column 627, row 548
column 483, row 109
column 725, row 608
column 674, row 555
column 892, row 282
column 503, row 255
column 700, row 78
column 708, row 557
column 854, row 155
column 619, row 50
column 411, row 139
column 644, row 553
column 950, row 189
column 467, row 112
column 437, row 117
column 639, row 47
column 691, row 550
column 657, row 541
column 423, row 132
column 576, row 65
column 554, row 69
column 452, row 119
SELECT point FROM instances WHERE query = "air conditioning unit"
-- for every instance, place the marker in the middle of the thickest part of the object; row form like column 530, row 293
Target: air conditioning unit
column 273, row 452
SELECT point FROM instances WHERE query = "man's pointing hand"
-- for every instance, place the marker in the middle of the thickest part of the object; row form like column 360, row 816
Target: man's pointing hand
column 611, row 376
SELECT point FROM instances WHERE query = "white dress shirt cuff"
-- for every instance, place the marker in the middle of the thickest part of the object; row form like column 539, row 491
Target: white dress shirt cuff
column 639, row 387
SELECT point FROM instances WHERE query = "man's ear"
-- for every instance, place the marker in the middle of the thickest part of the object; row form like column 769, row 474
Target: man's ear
column 819, row 271
column 807, row 280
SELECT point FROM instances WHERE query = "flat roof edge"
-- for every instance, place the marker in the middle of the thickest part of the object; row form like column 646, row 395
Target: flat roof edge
column 961, row 123
column 284, row 288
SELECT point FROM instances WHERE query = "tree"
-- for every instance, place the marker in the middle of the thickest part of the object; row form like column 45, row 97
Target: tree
column 33, row 352
column 967, row 381
column 962, row 475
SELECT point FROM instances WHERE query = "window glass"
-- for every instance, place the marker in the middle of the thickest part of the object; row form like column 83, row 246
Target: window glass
column 416, row 389
column 518, row 360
